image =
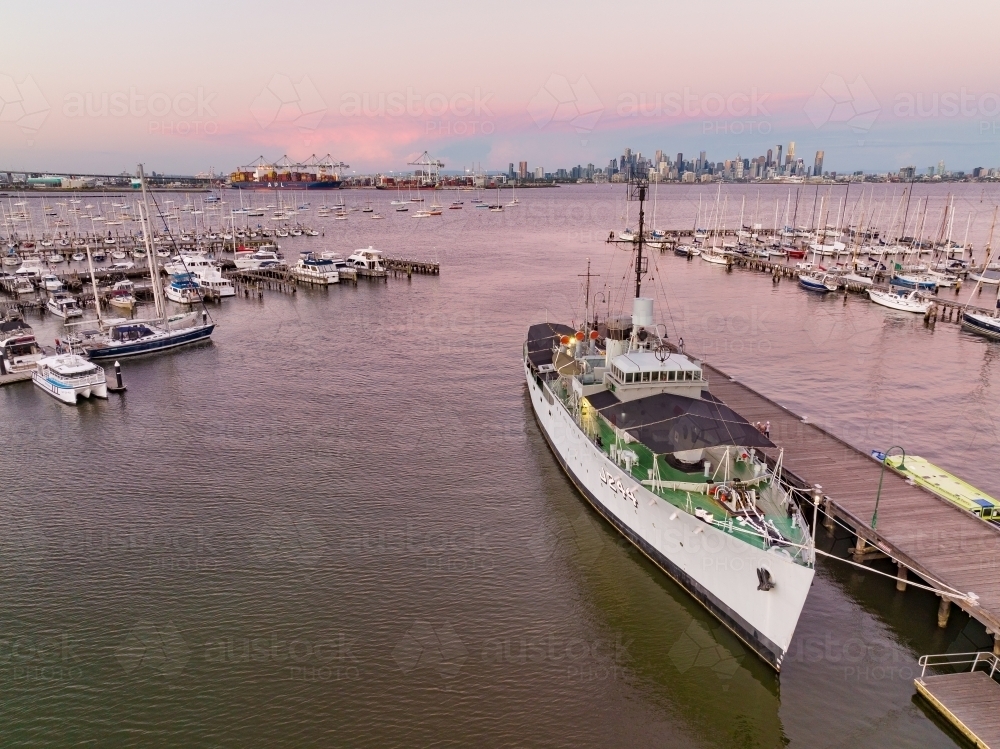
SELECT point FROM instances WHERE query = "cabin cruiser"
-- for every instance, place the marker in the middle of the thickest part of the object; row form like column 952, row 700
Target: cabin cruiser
column 32, row 268
column 315, row 270
column 265, row 256
column 183, row 289
column 70, row 377
column 19, row 350
column 205, row 273
column 369, row 259
column 122, row 295
column 50, row 282
column 64, row 305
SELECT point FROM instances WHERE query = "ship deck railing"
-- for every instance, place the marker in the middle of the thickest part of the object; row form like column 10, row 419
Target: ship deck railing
column 690, row 501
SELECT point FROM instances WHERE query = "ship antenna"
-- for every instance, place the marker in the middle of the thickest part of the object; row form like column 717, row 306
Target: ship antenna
column 637, row 186
column 586, row 299
column 637, row 191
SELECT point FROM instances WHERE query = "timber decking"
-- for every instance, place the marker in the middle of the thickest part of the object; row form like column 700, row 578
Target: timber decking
column 969, row 700
column 934, row 538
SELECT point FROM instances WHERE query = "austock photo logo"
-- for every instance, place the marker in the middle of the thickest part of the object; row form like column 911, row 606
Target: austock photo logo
column 837, row 101
column 23, row 105
column 284, row 102
column 159, row 648
column 561, row 101
column 425, row 646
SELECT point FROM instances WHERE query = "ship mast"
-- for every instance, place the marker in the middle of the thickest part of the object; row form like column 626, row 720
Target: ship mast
column 637, row 186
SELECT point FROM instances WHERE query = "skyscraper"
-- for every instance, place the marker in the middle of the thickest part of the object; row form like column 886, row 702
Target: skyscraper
column 818, row 164
column 680, row 163
column 522, row 170
column 768, row 162
column 510, row 170
column 791, row 150
column 777, row 161
column 659, row 156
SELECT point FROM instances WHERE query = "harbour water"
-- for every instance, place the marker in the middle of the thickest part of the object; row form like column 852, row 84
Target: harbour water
column 338, row 524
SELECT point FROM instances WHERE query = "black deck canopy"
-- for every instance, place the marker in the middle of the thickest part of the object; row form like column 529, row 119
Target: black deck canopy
column 541, row 338
column 667, row 423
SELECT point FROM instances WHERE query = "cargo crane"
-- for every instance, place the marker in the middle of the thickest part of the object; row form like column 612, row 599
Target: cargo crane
column 432, row 173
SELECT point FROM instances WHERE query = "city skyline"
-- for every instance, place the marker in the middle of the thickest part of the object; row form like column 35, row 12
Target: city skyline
column 477, row 86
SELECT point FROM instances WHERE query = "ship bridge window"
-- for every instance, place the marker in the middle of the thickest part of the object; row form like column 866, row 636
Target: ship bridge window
column 656, row 376
column 628, row 377
column 671, row 376
column 687, row 375
column 645, row 376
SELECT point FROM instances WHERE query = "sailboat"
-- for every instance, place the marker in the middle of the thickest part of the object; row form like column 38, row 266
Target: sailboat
column 978, row 322
column 513, row 195
column 138, row 337
column 498, row 206
column 629, row 418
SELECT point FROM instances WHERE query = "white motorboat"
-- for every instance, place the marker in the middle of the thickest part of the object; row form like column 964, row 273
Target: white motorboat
column 31, row 268
column 122, row 296
column 23, row 286
column 50, row 282
column 18, row 347
column 70, row 377
column 822, row 283
column 904, row 302
column 264, row 257
column 315, row 270
column 183, row 289
column 64, row 306
column 368, row 259
column 210, row 277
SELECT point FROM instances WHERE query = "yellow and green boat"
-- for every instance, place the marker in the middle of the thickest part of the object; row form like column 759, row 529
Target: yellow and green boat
column 944, row 484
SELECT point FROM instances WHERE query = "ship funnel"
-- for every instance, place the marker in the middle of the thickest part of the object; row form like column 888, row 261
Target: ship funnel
column 642, row 312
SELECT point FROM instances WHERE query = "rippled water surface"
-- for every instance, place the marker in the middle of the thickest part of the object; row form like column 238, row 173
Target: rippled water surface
column 339, row 525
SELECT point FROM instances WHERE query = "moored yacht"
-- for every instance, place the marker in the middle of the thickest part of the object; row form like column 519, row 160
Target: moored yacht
column 315, row 270
column 70, row 377
column 262, row 257
column 64, row 305
column 18, row 347
column 900, row 300
column 368, row 259
column 183, row 289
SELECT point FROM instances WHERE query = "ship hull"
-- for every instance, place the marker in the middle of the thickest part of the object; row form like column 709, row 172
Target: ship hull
column 326, row 185
column 716, row 569
column 155, row 346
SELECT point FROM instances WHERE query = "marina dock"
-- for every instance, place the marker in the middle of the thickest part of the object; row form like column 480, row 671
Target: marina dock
column 928, row 536
column 967, row 699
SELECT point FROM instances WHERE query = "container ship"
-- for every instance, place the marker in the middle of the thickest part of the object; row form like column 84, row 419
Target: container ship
column 632, row 421
column 315, row 174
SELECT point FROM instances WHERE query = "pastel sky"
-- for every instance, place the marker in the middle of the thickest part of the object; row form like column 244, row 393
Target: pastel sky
column 185, row 86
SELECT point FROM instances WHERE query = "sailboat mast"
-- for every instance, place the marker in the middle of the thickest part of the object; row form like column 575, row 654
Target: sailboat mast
column 154, row 267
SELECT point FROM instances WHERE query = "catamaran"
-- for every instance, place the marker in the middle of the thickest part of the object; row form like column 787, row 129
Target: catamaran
column 631, row 420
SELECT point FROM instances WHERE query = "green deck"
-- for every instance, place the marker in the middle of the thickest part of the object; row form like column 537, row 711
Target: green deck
column 689, row 501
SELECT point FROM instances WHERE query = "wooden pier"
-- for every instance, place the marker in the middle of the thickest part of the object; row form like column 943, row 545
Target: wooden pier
column 967, row 699
column 927, row 535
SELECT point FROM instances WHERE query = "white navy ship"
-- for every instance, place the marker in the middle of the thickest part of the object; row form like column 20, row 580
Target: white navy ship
column 632, row 421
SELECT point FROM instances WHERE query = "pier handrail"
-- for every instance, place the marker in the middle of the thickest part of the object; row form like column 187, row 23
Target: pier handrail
column 959, row 659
